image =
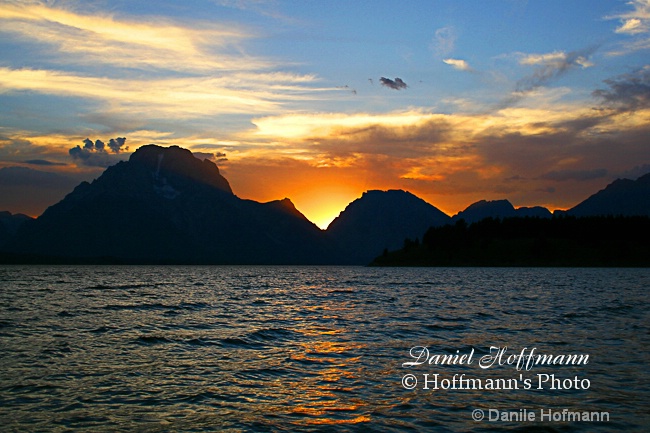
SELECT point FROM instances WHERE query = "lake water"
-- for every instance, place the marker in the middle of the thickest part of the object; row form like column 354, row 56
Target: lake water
column 319, row 348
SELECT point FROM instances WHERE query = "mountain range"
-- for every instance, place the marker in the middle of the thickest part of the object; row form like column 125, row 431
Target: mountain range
column 164, row 205
column 498, row 209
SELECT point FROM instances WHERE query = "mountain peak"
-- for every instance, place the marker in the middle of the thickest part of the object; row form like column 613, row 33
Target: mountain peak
column 166, row 206
column 381, row 220
column 504, row 205
column 180, row 164
column 486, row 208
column 287, row 206
column 621, row 197
column 499, row 209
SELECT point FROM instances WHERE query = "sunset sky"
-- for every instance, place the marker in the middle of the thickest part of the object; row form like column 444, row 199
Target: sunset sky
column 540, row 102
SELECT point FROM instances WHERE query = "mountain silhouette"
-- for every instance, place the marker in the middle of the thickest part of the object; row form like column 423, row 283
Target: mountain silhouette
column 10, row 224
column 166, row 206
column 498, row 209
column 610, row 228
column 622, row 197
column 382, row 220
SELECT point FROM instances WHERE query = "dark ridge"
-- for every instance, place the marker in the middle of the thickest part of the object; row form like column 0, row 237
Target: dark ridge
column 622, row 197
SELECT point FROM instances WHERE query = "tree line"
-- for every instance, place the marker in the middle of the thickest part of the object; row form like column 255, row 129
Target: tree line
column 530, row 241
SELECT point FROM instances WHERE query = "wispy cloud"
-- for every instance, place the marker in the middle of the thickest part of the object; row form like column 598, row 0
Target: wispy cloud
column 134, row 73
column 552, row 65
column 635, row 21
column 627, row 92
column 150, row 43
column 263, row 7
column 459, row 64
column 632, row 26
column 183, row 97
column 564, row 175
column 548, row 67
column 444, row 41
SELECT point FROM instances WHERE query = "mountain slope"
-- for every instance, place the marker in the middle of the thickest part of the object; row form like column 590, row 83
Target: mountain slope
column 166, row 206
column 9, row 226
column 382, row 220
column 622, row 197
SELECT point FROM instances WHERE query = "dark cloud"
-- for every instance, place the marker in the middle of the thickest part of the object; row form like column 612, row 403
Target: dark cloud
column 203, row 155
column 627, row 92
column 547, row 69
column 582, row 161
column 635, row 172
column 553, row 68
column 562, row 175
column 408, row 141
column 115, row 144
column 43, row 162
column 216, row 157
column 24, row 176
column 30, row 191
column 94, row 154
column 347, row 88
column 396, row 84
column 576, row 126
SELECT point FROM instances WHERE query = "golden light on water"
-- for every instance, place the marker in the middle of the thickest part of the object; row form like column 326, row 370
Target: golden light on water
column 320, row 399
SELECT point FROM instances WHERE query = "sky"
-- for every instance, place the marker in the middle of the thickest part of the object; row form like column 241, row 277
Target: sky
column 538, row 102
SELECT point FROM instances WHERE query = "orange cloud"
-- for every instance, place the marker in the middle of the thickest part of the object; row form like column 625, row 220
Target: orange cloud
column 453, row 160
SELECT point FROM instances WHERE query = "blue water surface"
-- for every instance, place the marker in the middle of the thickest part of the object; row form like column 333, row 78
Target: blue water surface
column 192, row 348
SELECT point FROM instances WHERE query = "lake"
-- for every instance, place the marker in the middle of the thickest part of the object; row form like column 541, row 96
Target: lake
column 241, row 348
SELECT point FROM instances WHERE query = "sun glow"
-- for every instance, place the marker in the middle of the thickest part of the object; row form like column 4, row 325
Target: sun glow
column 322, row 204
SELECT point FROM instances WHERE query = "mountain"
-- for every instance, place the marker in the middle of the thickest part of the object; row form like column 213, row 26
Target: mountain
column 622, row 197
column 382, row 220
column 610, row 228
column 166, row 206
column 9, row 225
column 498, row 209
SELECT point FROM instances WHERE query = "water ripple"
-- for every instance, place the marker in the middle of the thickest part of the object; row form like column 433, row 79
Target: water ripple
column 309, row 348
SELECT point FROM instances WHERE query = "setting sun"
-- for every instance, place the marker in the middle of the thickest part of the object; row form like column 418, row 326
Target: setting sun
column 324, row 203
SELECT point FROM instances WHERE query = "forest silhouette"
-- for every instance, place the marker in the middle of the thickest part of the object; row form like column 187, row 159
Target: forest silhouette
column 559, row 241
